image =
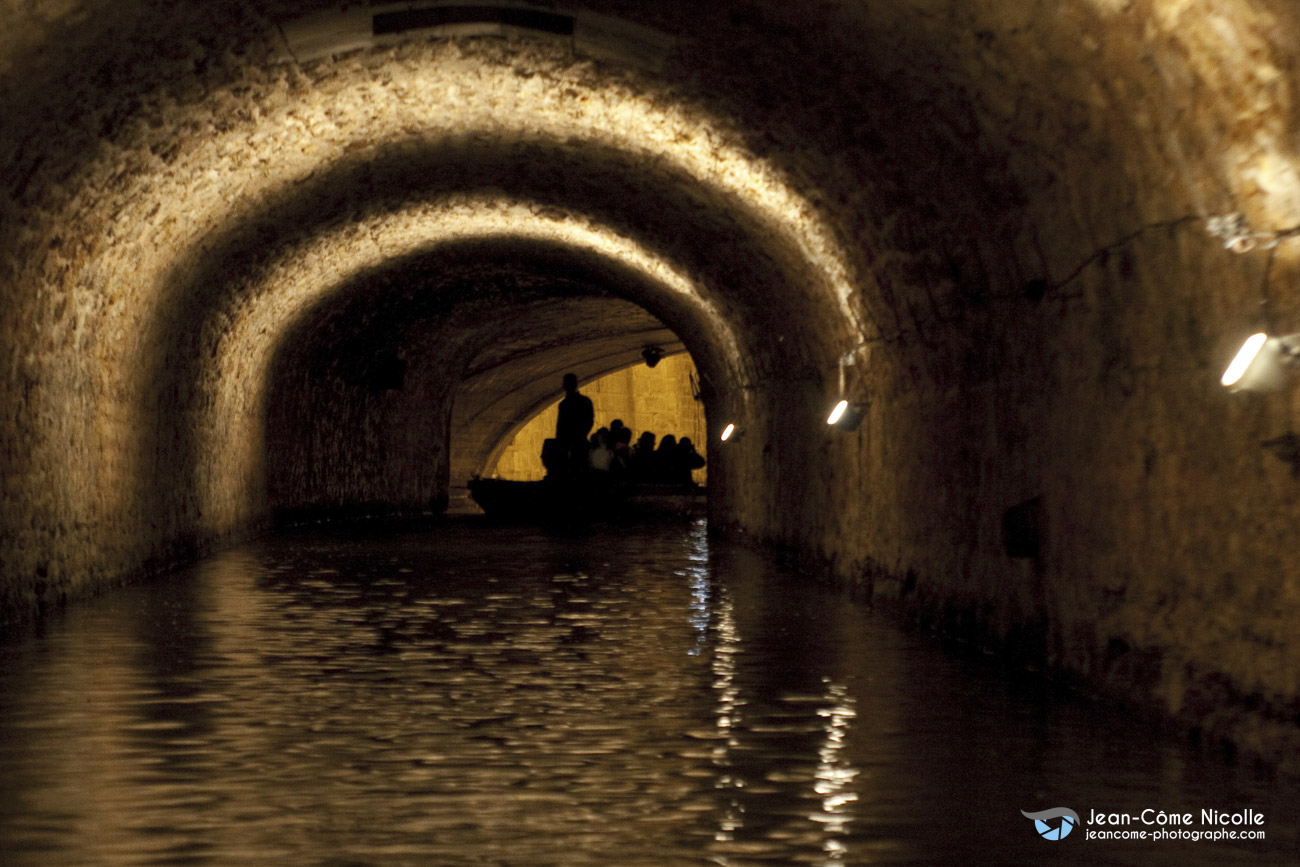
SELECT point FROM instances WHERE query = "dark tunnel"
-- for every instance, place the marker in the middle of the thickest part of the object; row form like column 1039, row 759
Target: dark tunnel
column 298, row 259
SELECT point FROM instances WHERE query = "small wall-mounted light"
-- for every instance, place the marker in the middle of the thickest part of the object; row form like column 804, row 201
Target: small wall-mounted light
column 728, row 432
column 1262, row 362
column 848, row 412
column 847, row 415
column 652, row 355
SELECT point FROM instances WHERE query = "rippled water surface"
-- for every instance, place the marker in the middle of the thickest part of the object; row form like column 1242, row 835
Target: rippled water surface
column 476, row 695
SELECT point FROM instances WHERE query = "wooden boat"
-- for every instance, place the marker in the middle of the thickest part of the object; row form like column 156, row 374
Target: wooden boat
column 549, row 501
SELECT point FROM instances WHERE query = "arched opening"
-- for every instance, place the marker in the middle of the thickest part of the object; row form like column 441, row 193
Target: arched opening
column 395, row 388
column 517, row 372
column 663, row 399
column 1008, row 248
column 265, row 208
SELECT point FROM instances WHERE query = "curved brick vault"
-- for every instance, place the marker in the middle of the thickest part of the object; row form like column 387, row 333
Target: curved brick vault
column 300, row 255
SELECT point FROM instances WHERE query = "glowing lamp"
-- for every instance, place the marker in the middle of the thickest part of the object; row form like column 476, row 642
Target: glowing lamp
column 847, row 415
column 1245, row 357
column 727, row 432
column 1262, row 362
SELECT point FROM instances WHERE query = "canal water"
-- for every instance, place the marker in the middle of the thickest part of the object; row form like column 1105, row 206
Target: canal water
column 465, row 694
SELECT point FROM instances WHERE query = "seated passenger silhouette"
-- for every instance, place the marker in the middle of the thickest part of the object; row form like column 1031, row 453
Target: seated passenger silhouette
column 602, row 456
column 688, row 460
column 550, row 456
column 602, row 480
column 622, row 445
column 664, row 467
column 641, row 461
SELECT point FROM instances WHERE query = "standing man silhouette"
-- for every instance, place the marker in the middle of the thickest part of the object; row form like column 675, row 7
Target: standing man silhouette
column 572, row 424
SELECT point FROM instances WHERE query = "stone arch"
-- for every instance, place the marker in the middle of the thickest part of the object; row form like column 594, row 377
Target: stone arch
column 197, row 325
column 998, row 210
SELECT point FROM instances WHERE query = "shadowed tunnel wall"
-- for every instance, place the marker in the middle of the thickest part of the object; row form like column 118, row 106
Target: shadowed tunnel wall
column 255, row 258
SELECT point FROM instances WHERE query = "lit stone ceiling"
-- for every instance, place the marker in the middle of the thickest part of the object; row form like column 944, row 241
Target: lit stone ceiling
column 991, row 218
column 784, row 186
column 242, row 209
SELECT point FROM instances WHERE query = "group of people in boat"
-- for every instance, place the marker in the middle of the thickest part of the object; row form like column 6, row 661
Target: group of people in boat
column 608, row 456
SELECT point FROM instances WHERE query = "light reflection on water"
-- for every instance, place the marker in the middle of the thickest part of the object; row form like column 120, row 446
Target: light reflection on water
column 484, row 695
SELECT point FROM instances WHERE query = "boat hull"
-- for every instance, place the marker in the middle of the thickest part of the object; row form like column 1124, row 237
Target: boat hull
column 551, row 502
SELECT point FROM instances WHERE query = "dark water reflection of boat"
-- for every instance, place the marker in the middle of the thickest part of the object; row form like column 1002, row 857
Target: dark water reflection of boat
column 549, row 501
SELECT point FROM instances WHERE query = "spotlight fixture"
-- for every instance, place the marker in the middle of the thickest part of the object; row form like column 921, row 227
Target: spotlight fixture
column 1262, row 362
column 727, row 432
column 849, row 412
column 847, row 415
column 652, row 355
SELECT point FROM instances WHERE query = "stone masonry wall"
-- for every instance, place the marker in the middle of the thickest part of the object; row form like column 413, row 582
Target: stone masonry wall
column 991, row 219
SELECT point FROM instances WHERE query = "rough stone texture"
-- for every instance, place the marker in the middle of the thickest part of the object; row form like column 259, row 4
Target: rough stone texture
column 658, row 399
column 211, row 254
